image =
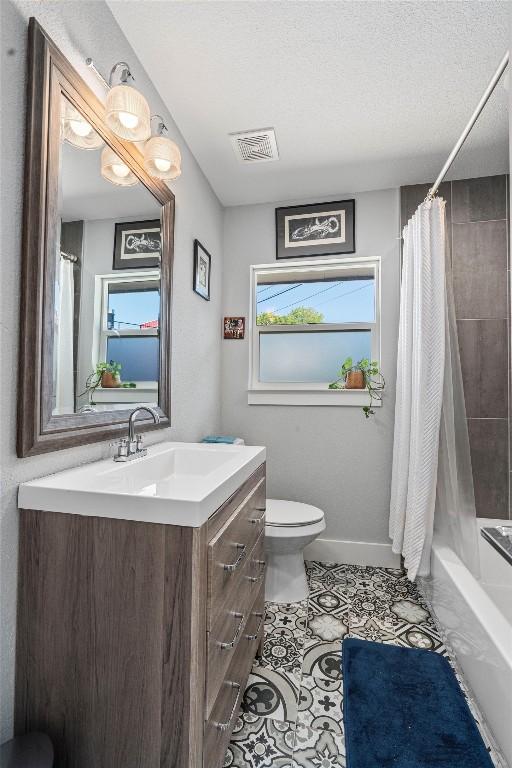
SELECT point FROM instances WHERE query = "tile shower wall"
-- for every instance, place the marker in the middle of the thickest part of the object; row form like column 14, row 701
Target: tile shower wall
column 477, row 217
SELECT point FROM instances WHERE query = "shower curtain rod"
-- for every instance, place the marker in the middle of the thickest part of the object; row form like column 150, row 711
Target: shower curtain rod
column 69, row 257
column 472, row 120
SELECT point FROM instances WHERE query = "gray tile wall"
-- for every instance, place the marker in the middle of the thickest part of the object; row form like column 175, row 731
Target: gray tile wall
column 477, row 218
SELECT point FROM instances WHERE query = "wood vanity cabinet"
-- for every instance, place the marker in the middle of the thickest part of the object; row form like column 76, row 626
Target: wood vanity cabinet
column 135, row 640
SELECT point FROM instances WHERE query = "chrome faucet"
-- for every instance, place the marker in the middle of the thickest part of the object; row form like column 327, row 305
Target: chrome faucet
column 132, row 447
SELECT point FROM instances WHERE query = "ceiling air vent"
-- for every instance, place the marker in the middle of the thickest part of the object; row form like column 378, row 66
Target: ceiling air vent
column 255, row 146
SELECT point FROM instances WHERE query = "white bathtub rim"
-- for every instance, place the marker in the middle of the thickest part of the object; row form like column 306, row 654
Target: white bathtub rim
column 480, row 602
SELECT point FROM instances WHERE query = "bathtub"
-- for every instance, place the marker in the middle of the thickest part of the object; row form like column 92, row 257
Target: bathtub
column 476, row 616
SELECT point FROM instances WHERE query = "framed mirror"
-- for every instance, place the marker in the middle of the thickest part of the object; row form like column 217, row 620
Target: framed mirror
column 96, row 268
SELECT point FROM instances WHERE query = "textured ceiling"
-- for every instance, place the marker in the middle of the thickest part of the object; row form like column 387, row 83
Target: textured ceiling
column 362, row 95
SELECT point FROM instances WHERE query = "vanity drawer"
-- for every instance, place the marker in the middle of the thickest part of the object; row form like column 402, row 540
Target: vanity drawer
column 219, row 726
column 236, row 620
column 229, row 549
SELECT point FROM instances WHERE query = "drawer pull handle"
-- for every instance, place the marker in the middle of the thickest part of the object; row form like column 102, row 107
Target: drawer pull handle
column 240, row 616
column 255, row 635
column 230, row 567
column 259, row 577
column 257, row 520
column 225, row 725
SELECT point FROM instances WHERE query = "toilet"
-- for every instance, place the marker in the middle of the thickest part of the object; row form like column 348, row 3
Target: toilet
column 289, row 527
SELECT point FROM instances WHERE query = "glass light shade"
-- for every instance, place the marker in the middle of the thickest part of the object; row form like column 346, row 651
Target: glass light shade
column 162, row 158
column 115, row 170
column 76, row 130
column 127, row 113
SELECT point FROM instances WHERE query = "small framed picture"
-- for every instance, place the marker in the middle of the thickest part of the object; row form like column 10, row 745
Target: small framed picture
column 321, row 229
column 202, row 266
column 234, row 327
column 137, row 244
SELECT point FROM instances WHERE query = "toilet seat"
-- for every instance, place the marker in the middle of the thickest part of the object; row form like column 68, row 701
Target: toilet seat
column 291, row 514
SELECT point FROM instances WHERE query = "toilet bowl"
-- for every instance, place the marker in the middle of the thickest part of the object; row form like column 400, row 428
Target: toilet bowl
column 289, row 527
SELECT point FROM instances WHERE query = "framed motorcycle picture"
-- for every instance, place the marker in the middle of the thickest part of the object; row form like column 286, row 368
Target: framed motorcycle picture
column 137, row 244
column 320, row 229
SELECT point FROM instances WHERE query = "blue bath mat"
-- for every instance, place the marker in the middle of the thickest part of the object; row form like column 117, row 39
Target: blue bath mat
column 403, row 708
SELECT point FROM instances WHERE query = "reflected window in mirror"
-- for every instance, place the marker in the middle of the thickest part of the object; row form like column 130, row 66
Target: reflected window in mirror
column 127, row 325
column 107, row 300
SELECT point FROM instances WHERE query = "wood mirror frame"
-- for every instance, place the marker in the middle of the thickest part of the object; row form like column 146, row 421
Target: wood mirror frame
column 50, row 75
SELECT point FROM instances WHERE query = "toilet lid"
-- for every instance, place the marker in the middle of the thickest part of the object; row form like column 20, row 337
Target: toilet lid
column 283, row 513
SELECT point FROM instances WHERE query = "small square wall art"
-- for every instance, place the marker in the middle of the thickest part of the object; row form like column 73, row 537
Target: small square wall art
column 234, row 327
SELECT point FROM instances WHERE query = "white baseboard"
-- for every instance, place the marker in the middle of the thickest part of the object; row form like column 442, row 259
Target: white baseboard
column 352, row 553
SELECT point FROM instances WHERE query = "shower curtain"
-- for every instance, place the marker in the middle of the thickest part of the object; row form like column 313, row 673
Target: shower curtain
column 64, row 380
column 431, row 460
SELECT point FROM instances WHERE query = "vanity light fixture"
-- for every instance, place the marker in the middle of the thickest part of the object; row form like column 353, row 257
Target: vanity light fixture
column 76, row 130
column 126, row 110
column 113, row 169
column 162, row 157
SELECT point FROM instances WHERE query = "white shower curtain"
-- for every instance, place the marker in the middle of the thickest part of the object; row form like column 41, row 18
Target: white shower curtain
column 431, row 447
column 64, row 378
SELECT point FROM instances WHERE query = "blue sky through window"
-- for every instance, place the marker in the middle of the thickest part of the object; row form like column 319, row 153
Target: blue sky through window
column 132, row 308
column 339, row 301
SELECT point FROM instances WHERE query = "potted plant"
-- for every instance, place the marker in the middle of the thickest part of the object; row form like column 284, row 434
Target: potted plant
column 364, row 374
column 108, row 374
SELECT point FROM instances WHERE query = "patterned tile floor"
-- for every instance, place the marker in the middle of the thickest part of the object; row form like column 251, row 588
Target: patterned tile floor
column 292, row 709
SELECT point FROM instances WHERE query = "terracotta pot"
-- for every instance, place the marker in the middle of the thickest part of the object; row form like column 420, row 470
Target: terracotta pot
column 355, row 380
column 108, row 380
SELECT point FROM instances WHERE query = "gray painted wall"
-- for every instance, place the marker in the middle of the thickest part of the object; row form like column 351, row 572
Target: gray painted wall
column 83, row 29
column 328, row 456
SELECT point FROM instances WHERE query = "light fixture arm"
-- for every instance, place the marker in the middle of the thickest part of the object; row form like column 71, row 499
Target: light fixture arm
column 125, row 74
column 90, row 63
column 161, row 127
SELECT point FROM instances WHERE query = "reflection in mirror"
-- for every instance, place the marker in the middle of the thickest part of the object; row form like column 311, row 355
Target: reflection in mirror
column 107, row 278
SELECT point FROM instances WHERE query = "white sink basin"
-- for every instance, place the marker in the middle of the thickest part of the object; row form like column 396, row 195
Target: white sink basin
column 176, row 483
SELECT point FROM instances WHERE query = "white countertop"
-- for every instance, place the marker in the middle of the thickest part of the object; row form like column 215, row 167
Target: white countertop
column 174, row 484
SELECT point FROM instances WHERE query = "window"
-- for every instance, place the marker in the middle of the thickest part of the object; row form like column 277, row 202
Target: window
column 129, row 328
column 306, row 318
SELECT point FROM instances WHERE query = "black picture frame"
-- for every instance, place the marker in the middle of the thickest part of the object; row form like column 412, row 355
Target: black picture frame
column 339, row 215
column 201, row 257
column 129, row 258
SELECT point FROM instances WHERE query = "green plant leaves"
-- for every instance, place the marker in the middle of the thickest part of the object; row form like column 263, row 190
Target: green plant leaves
column 374, row 386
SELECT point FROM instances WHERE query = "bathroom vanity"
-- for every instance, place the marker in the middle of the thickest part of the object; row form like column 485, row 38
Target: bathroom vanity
column 141, row 605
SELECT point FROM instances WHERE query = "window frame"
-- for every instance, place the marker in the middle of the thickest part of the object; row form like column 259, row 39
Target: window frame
column 309, row 393
column 101, row 310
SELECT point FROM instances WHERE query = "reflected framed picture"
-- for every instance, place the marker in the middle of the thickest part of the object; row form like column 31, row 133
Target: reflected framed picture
column 320, row 229
column 202, row 267
column 137, row 244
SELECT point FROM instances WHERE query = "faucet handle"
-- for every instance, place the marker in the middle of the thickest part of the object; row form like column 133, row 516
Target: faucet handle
column 140, row 442
column 117, row 443
column 121, row 447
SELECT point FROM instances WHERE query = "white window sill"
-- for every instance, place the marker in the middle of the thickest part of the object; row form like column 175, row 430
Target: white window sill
column 336, row 397
column 142, row 394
